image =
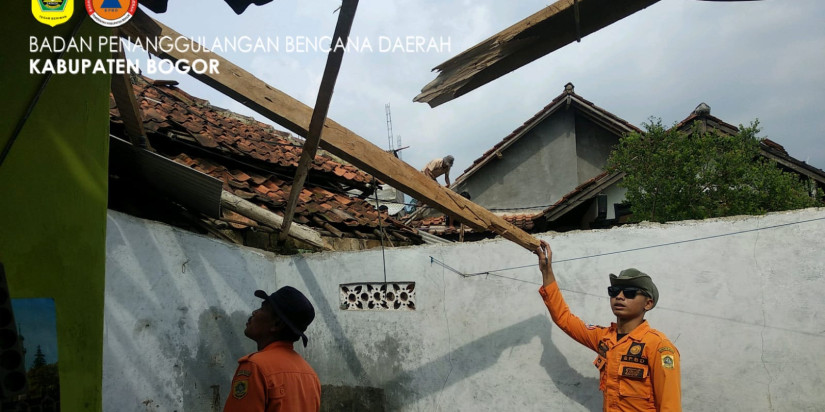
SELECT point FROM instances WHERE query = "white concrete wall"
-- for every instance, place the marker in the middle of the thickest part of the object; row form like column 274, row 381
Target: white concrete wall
column 746, row 312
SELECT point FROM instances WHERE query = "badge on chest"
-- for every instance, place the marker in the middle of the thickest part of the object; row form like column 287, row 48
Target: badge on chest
column 633, row 364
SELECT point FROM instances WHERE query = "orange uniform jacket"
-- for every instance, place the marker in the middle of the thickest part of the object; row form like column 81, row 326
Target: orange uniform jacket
column 640, row 372
column 274, row 379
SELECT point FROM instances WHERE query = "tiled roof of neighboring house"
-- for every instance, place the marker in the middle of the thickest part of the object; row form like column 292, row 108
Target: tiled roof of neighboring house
column 528, row 222
column 438, row 225
column 566, row 99
column 775, row 151
column 582, row 193
column 257, row 163
column 702, row 114
column 770, row 149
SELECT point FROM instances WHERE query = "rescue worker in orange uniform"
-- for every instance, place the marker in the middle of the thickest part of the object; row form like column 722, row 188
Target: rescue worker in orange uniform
column 638, row 366
column 276, row 378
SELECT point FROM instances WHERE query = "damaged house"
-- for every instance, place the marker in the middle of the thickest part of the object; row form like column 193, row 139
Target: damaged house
column 239, row 157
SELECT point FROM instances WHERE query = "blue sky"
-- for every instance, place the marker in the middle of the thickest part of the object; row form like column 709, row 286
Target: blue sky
column 38, row 325
column 747, row 60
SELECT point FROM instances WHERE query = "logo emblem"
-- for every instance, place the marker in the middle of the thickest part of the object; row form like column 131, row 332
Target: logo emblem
column 239, row 389
column 667, row 361
column 52, row 12
column 111, row 13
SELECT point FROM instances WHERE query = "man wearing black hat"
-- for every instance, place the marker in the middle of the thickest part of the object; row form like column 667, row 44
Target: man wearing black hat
column 276, row 378
column 638, row 366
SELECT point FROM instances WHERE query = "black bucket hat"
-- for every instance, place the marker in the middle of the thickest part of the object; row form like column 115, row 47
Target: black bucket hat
column 292, row 307
column 636, row 278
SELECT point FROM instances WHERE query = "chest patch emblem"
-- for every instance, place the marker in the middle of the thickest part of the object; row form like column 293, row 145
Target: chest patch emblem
column 603, row 348
column 635, row 349
column 667, row 361
column 239, row 388
column 629, row 372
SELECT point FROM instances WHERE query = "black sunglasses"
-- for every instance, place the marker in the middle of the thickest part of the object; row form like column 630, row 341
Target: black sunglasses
column 628, row 292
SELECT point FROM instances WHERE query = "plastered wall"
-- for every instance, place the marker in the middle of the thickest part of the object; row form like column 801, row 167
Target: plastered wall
column 741, row 298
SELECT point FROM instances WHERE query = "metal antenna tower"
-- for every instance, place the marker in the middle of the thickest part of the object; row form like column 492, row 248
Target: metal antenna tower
column 390, row 141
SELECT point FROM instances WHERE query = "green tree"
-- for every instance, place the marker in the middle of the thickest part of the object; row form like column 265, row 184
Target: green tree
column 39, row 358
column 44, row 381
column 672, row 175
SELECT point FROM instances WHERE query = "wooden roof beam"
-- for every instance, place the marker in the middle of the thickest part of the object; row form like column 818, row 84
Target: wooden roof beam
column 550, row 29
column 127, row 106
column 287, row 111
column 319, row 114
column 259, row 214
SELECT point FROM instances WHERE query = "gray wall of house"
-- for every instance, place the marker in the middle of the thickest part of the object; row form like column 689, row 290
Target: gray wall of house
column 549, row 161
column 537, row 170
column 593, row 146
column 741, row 298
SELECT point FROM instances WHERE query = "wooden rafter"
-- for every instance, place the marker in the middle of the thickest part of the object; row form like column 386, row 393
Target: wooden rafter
column 557, row 25
column 127, row 106
column 287, row 111
column 259, row 214
column 319, row 114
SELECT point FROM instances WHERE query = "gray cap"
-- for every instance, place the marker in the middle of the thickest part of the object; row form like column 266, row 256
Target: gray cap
column 636, row 278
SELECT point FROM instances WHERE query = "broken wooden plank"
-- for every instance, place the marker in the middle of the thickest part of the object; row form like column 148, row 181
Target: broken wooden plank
column 332, row 229
column 555, row 26
column 319, row 114
column 380, row 234
column 259, row 214
column 127, row 105
column 285, row 110
column 401, row 237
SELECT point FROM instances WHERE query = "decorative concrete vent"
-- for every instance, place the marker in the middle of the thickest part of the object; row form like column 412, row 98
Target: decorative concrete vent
column 378, row 296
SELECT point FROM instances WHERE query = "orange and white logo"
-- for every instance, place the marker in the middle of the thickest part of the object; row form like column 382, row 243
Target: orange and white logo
column 111, row 13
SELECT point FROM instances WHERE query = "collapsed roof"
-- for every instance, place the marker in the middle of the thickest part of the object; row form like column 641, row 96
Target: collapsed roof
column 255, row 162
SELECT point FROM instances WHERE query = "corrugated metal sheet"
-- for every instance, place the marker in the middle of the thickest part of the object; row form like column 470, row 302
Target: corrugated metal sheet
column 186, row 186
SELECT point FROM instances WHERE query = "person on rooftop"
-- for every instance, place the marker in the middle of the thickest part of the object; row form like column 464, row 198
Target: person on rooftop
column 438, row 167
column 638, row 366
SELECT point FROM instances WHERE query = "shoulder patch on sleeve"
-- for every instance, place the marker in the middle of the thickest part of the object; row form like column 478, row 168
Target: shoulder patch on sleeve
column 591, row 327
column 666, row 349
column 667, row 361
column 239, row 388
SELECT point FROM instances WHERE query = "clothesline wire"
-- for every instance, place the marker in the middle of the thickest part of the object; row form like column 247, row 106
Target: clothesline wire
column 490, row 272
